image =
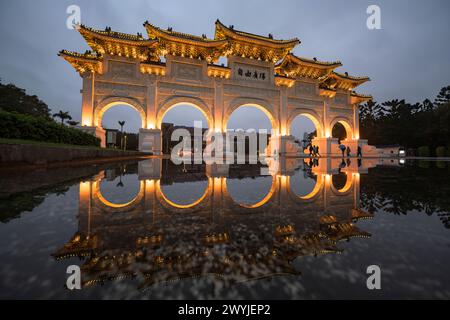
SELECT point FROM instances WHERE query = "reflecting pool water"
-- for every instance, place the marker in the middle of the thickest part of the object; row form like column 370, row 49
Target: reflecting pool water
column 295, row 229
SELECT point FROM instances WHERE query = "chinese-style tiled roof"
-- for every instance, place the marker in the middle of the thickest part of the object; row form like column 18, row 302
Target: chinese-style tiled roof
column 79, row 245
column 223, row 32
column 121, row 44
column 82, row 62
column 248, row 45
column 358, row 214
column 294, row 66
column 185, row 45
column 342, row 81
column 156, row 32
column 345, row 76
column 357, row 98
column 109, row 34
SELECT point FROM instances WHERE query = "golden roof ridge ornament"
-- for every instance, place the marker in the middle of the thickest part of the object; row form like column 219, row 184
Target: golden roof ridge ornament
column 314, row 61
column 82, row 62
column 299, row 67
column 108, row 34
column 155, row 32
column 223, row 31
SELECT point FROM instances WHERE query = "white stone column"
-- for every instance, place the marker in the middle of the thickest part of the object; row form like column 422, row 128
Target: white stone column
column 150, row 141
column 151, row 105
column 356, row 122
column 325, row 142
column 87, row 99
column 217, row 110
column 150, row 169
column 283, row 114
column 88, row 124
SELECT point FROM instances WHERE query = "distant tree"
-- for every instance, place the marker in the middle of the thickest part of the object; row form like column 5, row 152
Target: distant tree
column 72, row 123
column 410, row 125
column 443, row 97
column 14, row 99
column 370, row 113
column 311, row 135
column 63, row 115
column 121, row 124
column 427, row 105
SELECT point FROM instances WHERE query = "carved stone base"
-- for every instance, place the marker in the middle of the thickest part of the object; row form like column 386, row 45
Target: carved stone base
column 150, row 141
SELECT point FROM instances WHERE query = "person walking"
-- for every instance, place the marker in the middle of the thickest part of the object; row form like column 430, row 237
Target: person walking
column 343, row 148
column 348, row 151
column 311, row 149
column 359, row 154
column 317, row 151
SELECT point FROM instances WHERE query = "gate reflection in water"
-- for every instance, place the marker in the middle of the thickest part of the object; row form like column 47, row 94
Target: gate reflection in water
column 158, row 239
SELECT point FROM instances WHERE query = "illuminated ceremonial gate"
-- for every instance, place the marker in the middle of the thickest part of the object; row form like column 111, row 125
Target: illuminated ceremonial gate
column 156, row 240
column 261, row 71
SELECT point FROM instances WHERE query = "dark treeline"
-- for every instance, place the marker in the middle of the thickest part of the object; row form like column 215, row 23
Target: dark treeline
column 421, row 186
column 26, row 117
column 15, row 99
column 423, row 126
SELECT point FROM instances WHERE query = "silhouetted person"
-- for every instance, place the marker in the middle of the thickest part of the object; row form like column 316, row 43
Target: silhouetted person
column 342, row 147
column 310, row 150
column 359, row 154
column 316, row 162
column 348, row 151
column 317, row 151
column 359, row 162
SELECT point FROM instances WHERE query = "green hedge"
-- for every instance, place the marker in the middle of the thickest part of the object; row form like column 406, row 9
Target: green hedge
column 19, row 126
column 423, row 151
column 441, row 151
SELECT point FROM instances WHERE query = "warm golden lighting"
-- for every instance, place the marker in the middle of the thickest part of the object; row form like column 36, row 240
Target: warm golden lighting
column 150, row 186
column 97, row 193
column 264, row 200
column 317, row 187
column 86, row 119
column 85, row 189
column 183, row 206
column 270, row 66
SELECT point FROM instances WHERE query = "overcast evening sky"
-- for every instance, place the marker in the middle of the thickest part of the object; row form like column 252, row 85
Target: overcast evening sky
column 408, row 58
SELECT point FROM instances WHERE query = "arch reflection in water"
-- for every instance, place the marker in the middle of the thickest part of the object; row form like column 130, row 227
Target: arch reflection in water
column 215, row 235
column 251, row 192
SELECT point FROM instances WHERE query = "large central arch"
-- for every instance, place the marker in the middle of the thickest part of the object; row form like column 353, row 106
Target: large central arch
column 260, row 104
column 179, row 101
column 267, row 197
column 173, row 204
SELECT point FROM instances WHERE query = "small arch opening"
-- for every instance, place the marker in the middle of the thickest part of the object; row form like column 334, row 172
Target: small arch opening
column 121, row 123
